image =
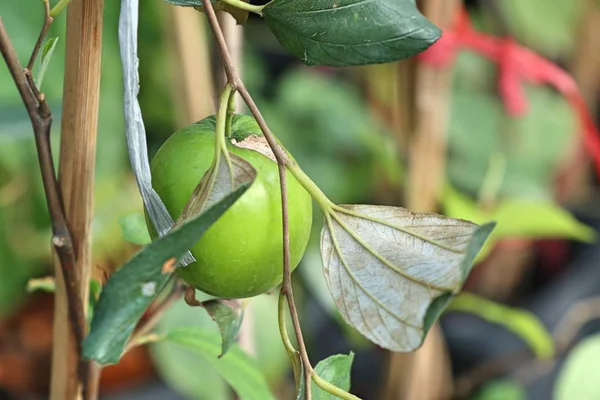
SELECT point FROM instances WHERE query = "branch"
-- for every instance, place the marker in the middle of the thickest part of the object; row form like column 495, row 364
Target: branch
column 282, row 160
column 38, row 44
column 41, row 121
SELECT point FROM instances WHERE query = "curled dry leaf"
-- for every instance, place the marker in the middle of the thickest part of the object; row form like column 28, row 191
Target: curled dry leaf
column 228, row 315
column 391, row 272
column 216, row 183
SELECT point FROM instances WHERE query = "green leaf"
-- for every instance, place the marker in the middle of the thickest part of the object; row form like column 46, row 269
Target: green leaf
column 228, row 314
column 519, row 218
column 501, row 390
column 47, row 51
column 539, row 218
column 391, row 272
column 335, row 370
column 350, row 32
column 579, row 375
column 236, row 367
column 130, row 290
column 191, row 376
column 134, row 229
column 94, row 296
column 522, row 323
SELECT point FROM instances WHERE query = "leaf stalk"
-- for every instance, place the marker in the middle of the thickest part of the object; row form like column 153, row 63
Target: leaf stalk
column 58, row 7
column 244, row 6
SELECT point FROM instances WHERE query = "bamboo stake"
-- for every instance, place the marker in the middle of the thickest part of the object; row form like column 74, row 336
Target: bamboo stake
column 585, row 62
column 194, row 82
column 76, row 176
column 235, row 43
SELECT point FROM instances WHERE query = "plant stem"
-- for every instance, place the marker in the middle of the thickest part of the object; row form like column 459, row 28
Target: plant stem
column 58, row 7
column 221, row 120
column 234, row 79
column 244, row 6
column 284, row 163
column 334, row 390
column 38, row 44
column 282, row 160
column 41, row 120
column 311, row 187
column 289, row 348
column 231, row 110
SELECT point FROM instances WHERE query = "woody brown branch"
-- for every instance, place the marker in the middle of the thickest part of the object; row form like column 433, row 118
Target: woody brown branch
column 41, row 120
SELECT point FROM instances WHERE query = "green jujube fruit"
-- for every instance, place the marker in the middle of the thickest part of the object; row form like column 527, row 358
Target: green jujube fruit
column 240, row 255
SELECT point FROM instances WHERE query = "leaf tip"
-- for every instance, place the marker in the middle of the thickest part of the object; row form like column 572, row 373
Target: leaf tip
column 478, row 239
column 435, row 309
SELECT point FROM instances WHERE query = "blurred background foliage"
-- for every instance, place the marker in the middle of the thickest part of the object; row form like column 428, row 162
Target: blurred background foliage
column 496, row 168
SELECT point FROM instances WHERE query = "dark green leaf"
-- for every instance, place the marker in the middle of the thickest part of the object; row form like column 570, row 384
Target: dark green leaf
column 132, row 288
column 236, row 367
column 335, row 370
column 350, row 32
column 134, row 229
column 228, row 314
column 47, row 51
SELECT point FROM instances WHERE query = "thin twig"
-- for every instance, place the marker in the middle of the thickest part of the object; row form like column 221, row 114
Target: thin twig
column 236, row 82
column 38, row 44
column 41, row 121
column 286, row 287
column 283, row 160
